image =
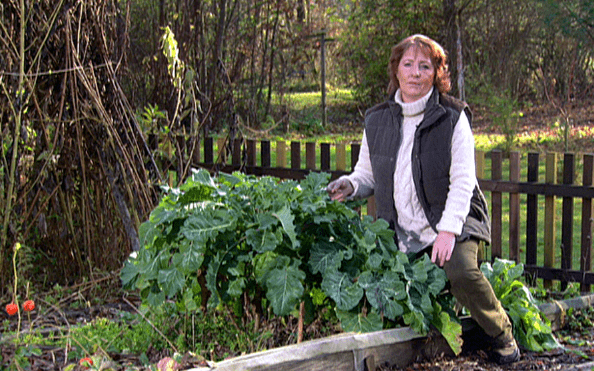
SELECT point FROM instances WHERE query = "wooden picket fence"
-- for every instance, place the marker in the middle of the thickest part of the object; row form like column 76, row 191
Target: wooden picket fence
column 533, row 200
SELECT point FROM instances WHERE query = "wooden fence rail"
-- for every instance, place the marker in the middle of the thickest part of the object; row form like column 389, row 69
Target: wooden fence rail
column 533, row 202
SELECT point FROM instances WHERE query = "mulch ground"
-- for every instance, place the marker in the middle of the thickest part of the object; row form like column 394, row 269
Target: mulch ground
column 478, row 361
column 577, row 352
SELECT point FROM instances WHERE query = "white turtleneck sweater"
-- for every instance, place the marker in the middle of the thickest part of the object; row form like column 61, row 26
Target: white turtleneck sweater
column 413, row 229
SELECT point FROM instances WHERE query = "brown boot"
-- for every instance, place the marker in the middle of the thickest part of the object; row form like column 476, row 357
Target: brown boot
column 505, row 349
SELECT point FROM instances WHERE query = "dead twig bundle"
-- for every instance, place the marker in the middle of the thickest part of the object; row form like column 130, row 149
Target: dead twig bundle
column 76, row 175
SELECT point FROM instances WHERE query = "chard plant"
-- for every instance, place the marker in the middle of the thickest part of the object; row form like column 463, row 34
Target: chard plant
column 532, row 329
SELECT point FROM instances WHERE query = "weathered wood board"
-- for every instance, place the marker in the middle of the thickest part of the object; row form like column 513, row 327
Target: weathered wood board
column 363, row 352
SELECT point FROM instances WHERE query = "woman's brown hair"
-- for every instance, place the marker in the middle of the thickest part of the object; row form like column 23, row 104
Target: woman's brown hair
column 435, row 52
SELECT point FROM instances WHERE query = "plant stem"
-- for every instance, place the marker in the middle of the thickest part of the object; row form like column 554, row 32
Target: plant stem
column 15, row 300
column 300, row 323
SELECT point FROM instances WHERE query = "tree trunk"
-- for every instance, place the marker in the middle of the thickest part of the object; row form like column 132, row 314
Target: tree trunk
column 453, row 44
column 451, row 35
column 271, row 66
column 216, row 55
column 459, row 63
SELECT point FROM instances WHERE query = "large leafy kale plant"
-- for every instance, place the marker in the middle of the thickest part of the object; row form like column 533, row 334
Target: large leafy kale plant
column 231, row 235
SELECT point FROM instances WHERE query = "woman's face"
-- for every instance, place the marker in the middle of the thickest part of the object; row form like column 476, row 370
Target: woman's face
column 415, row 74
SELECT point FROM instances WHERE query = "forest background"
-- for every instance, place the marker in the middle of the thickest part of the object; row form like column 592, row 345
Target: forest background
column 83, row 83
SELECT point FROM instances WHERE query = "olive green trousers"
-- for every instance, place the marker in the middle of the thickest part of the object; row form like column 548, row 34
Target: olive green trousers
column 473, row 291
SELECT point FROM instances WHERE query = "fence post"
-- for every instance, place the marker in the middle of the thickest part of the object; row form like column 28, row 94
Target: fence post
column 567, row 217
column 514, row 208
column 532, row 212
column 355, row 149
column 251, row 152
column 221, row 153
column 281, row 154
column 265, row 153
column 236, row 155
column 549, row 231
column 586, row 250
column 496, row 202
column 208, row 150
column 325, row 156
column 479, row 159
column 340, row 157
column 310, row 155
column 371, row 209
column 295, row 155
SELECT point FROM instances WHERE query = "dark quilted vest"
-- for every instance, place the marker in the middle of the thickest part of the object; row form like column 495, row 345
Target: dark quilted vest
column 431, row 159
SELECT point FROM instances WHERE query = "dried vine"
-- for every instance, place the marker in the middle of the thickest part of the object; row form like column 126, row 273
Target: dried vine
column 77, row 177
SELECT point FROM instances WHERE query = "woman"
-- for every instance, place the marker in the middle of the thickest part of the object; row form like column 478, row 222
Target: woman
column 417, row 158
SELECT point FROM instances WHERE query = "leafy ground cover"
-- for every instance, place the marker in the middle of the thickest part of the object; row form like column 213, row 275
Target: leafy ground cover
column 100, row 321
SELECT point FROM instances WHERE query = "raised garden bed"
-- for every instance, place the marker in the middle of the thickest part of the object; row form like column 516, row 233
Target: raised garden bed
column 397, row 348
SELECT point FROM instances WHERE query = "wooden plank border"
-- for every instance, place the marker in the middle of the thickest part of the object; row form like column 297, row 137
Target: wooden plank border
column 358, row 352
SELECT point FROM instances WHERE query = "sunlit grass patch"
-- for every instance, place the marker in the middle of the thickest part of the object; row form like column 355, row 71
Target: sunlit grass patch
column 306, row 100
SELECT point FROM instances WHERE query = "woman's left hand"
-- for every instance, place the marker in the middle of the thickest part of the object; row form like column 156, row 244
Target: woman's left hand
column 443, row 247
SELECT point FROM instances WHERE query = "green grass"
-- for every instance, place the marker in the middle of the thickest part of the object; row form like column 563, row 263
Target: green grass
column 308, row 100
column 576, row 233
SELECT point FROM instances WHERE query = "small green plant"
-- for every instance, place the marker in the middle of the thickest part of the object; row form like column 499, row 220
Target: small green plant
column 21, row 357
column 505, row 116
column 136, row 332
column 571, row 291
column 532, row 329
column 579, row 320
column 22, row 352
column 150, row 119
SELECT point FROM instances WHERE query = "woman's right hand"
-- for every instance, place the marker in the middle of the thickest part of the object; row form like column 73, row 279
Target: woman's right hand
column 340, row 189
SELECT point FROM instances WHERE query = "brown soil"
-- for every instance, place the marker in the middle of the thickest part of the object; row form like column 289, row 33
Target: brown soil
column 576, row 353
column 478, row 361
